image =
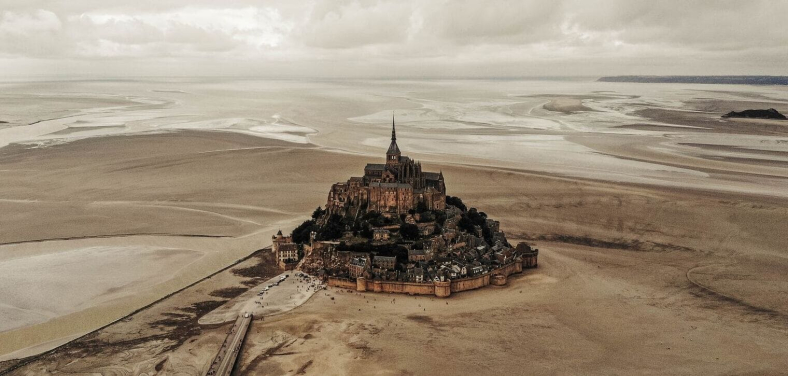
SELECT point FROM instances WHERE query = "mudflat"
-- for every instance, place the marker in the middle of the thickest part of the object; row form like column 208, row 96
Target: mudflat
column 678, row 281
column 661, row 233
column 76, row 213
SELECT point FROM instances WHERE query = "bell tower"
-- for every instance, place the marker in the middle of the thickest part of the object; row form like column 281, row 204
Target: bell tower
column 393, row 154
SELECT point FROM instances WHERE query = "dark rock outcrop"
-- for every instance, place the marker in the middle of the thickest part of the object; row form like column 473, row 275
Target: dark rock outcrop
column 756, row 114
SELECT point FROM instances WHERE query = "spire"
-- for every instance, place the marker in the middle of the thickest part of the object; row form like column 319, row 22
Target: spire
column 393, row 154
column 393, row 129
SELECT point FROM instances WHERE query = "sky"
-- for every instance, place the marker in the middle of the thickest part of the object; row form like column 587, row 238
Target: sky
column 391, row 38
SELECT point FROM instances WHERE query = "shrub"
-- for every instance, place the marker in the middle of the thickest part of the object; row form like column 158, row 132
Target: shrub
column 457, row 202
column 409, row 231
column 301, row 233
column 333, row 229
column 318, row 213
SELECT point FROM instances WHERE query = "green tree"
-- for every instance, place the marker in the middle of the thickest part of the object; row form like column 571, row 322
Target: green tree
column 301, row 233
column 366, row 231
column 466, row 224
column 333, row 229
column 456, row 202
column 318, row 213
column 409, row 231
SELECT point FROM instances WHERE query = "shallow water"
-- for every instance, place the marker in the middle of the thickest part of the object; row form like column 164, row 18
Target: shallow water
column 488, row 122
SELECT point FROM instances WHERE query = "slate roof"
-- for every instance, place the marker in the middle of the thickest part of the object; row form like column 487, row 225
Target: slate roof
column 375, row 167
column 391, row 185
column 432, row 175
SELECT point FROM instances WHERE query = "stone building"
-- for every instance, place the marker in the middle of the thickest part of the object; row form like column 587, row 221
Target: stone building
column 283, row 248
column 358, row 266
column 394, row 187
column 381, row 234
column 415, row 255
column 384, row 262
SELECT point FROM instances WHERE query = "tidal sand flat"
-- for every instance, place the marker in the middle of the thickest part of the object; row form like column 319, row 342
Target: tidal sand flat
column 628, row 220
column 36, row 281
column 65, row 202
column 694, row 293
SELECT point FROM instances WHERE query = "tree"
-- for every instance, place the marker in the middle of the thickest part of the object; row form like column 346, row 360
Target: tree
column 301, row 234
column 440, row 217
column 438, row 229
column 318, row 213
column 475, row 218
column 409, row 231
column 466, row 224
column 478, row 218
column 333, row 229
column 366, row 231
column 388, row 249
column 427, row 216
column 376, row 219
column 457, row 202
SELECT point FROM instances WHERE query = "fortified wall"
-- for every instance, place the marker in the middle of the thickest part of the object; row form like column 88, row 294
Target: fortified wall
column 496, row 277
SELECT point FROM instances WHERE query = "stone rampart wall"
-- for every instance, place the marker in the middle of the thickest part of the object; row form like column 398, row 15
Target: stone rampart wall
column 507, row 270
column 401, row 287
column 342, row 283
column 470, row 283
column 429, row 288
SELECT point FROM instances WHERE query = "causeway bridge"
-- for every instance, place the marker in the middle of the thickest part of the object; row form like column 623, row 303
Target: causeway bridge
column 224, row 362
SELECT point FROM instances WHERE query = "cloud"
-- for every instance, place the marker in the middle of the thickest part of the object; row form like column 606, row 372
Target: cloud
column 355, row 24
column 409, row 37
column 33, row 32
column 26, row 24
column 183, row 32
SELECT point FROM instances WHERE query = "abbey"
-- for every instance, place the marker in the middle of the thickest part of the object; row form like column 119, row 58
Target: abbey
column 391, row 188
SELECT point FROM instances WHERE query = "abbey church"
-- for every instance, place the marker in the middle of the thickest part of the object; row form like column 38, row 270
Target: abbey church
column 391, row 188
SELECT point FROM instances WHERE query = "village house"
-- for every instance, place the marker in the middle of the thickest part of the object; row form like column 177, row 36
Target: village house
column 426, row 229
column 493, row 225
column 416, row 274
column 417, row 255
column 358, row 266
column 283, row 248
column 477, row 270
column 385, row 262
column 381, row 234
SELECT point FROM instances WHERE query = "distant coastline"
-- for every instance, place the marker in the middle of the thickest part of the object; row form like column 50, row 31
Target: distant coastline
column 726, row 80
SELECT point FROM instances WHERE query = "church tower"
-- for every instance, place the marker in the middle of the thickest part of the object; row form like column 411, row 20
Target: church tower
column 393, row 154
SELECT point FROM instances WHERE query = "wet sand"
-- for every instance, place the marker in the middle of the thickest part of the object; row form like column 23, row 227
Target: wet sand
column 631, row 278
column 658, row 255
column 566, row 105
column 187, row 192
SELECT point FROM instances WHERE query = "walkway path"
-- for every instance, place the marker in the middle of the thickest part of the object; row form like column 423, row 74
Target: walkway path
column 289, row 294
column 224, row 362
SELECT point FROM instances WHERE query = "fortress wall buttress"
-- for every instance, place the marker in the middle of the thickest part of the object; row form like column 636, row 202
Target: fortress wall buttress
column 342, row 283
column 471, row 283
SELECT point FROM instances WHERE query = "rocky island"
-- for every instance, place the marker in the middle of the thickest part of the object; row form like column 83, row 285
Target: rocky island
column 756, row 114
column 394, row 229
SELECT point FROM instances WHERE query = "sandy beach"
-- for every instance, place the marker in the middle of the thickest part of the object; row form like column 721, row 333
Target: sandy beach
column 661, row 278
column 94, row 212
column 661, row 246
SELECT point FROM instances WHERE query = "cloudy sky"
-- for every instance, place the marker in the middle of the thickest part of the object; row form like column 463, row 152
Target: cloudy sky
column 406, row 38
